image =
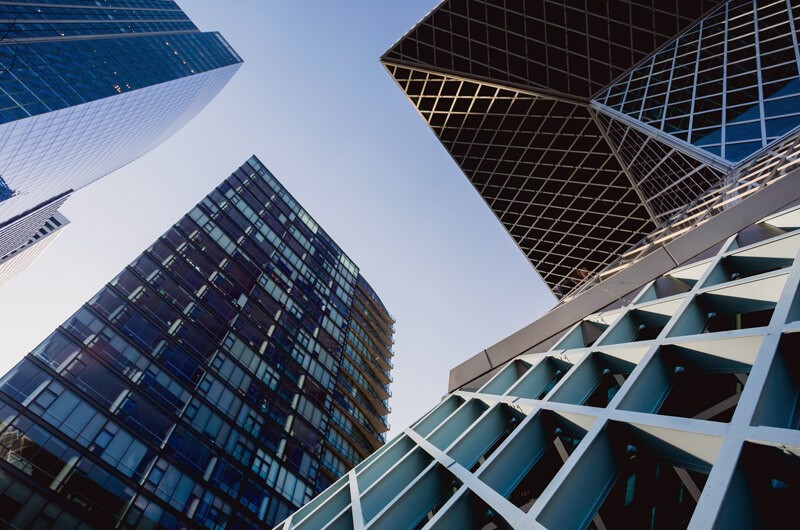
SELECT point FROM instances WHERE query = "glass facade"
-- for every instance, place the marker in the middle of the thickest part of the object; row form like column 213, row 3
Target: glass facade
column 41, row 77
column 16, row 260
column 48, row 18
column 506, row 87
column 5, row 191
column 87, row 87
column 668, row 178
column 589, row 128
column 564, row 46
column 661, row 392
column 729, row 85
column 232, row 371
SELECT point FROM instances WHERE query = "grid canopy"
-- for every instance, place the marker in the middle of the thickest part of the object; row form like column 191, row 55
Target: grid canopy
column 543, row 167
column 508, row 86
column 573, row 48
column 728, row 86
column 666, row 177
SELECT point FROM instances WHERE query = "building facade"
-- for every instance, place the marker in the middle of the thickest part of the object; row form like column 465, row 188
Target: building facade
column 19, row 258
column 87, row 87
column 236, row 368
column 678, row 410
column 645, row 156
column 588, row 128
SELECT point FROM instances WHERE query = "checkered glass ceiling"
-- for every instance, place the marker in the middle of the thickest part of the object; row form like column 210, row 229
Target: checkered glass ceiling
column 667, row 178
column 543, row 167
column 506, row 85
column 574, row 48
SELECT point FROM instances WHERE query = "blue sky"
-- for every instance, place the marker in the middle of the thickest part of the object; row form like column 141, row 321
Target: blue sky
column 314, row 104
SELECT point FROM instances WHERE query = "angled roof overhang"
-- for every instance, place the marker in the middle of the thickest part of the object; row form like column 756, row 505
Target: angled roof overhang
column 507, row 90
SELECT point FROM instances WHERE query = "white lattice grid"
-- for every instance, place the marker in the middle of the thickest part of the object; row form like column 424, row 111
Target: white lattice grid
column 440, row 474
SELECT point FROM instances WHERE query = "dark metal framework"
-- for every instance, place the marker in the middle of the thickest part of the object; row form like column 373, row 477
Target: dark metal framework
column 540, row 104
column 541, row 164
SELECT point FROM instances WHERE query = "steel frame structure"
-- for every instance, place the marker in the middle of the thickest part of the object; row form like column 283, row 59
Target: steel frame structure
column 589, row 130
column 698, row 377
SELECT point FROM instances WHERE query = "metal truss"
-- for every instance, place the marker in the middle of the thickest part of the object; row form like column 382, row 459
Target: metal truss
column 767, row 168
column 709, row 86
column 679, row 410
column 571, row 48
column 667, row 178
column 543, row 167
column 507, row 90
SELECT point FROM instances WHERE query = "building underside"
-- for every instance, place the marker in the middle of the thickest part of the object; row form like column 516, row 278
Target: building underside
column 587, row 129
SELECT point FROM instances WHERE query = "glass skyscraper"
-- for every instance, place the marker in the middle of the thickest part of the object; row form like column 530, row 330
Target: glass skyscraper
column 87, row 87
column 232, row 371
column 22, row 256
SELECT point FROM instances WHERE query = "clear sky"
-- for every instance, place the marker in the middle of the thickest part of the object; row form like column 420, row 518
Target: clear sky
column 315, row 105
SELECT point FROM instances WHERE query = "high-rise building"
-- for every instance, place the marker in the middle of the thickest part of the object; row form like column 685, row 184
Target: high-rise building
column 232, row 371
column 87, row 87
column 646, row 158
column 22, row 256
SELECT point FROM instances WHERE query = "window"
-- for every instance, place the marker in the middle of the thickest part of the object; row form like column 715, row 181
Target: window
column 5, row 191
column 23, row 381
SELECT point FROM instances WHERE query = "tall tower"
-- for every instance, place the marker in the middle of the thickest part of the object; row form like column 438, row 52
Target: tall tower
column 232, row 371
column 25, row 254
column 87, row 87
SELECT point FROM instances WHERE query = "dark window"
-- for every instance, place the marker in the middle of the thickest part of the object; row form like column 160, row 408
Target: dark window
column 5, row 191
column 743, row 320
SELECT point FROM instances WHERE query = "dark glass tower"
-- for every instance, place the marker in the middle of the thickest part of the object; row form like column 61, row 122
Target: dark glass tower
column 231, row 372
column 87, row 87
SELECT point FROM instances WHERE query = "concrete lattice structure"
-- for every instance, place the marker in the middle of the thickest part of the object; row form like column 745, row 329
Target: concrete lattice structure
column 679, row 409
